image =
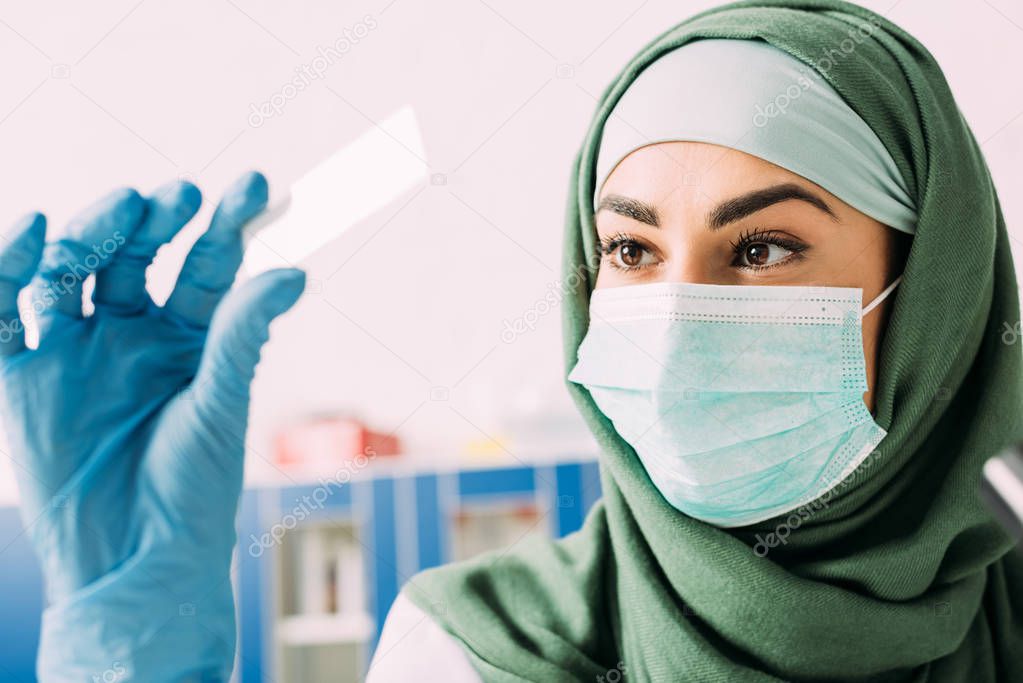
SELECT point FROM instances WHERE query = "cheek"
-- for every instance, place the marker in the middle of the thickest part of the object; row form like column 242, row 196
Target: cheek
column 873, row 333
column 870, row 339
column 607, row 276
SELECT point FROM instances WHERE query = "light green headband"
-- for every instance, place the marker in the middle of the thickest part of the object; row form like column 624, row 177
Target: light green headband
column 751, row 96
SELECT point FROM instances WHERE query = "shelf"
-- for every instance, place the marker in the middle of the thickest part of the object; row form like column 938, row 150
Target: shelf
column 479, row 528
column 325, row 629
column 267, row 475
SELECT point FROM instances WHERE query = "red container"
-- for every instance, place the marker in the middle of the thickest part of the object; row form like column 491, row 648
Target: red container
column 332, row 441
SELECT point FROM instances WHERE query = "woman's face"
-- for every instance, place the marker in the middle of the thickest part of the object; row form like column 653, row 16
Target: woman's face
column 702, row 213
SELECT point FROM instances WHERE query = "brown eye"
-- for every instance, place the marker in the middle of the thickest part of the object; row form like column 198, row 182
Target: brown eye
column 756, row 254
column 624, row 252
column 763, row 254
column 631, row 255
column 758, row 249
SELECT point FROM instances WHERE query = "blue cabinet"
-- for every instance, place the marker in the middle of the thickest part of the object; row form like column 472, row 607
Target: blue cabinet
column 389, row 521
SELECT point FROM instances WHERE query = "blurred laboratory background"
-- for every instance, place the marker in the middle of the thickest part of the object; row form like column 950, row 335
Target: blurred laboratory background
column 410, row 411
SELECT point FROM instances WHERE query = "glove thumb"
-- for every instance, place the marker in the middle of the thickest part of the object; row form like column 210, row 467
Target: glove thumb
column 239, row 328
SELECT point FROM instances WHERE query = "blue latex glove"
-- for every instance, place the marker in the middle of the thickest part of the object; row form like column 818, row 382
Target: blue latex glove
column 127, row 428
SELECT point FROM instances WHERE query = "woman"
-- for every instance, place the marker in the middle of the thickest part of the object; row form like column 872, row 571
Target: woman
column 757, row 524
column 787, row 277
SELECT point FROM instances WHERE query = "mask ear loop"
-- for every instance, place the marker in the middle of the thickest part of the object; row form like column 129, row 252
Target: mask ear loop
column 880, row 297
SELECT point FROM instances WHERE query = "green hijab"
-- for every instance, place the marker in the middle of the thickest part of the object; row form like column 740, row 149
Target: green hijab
column 903, row 575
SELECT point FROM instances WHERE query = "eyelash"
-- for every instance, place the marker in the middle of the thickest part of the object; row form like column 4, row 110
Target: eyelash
column 752, row 236
column 612, row 242
column 760, row 236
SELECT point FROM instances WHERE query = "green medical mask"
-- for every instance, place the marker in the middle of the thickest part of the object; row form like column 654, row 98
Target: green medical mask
column 742, row 402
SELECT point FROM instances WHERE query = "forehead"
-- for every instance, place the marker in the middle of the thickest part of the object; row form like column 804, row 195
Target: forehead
column 668, row 173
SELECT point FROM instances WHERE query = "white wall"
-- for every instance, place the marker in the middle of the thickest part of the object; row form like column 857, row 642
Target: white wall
column 124, row 92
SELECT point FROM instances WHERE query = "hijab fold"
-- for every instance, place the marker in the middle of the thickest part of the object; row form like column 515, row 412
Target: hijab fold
column 901, row 574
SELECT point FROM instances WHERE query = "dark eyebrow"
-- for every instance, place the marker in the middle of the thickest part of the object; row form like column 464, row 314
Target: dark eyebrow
column 735, row 209
column 630, row 208
column 726, row 212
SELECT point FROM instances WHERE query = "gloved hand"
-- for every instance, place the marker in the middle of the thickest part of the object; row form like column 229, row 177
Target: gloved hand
column 127, row 428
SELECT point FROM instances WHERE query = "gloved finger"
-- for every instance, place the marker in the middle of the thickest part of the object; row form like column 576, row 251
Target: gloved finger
column 19, row 258
column 213, row 261
column 238, row 331
column 90, row 241
column 121, row 285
